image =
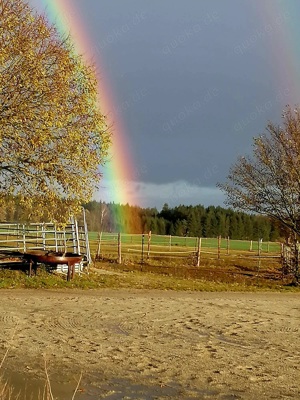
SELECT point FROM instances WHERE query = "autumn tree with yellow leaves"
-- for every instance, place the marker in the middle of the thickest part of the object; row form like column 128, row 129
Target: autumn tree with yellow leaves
column 53, row 136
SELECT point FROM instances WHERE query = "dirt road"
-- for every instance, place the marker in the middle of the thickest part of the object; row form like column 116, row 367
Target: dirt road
column 154, row 344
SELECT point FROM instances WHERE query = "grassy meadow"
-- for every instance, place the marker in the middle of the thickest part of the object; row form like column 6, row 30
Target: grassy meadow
column 186, row 250
column 167, row 263
column 167, row 241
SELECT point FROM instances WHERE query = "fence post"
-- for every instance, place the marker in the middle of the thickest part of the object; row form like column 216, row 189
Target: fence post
column 250, row 245
column 282, row 260
column 170, row 242
column 149, row 241
column 19, row 236
column 37, row 243
column 119, row 249
column 65, row 242
column 24, row 239
column 143, row 242
column 55, row 239
column 219, row 247
column 259, row 247
column 296, row 274
column 259, row 256
column 99, row 246
column 77, row 237
column 228, row 245
column 199, row 252
column 44, row 236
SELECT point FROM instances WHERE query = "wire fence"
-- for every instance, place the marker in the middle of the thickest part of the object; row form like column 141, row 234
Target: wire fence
column 221, row 259
column 147, row 247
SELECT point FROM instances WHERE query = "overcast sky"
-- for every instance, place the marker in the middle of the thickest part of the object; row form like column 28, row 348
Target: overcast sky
column 194, row 81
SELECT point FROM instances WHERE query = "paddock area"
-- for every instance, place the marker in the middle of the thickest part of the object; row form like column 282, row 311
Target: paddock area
column 149, row 344
column 64, row 249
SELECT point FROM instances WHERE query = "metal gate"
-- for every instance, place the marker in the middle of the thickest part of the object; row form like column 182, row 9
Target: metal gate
column 72, row 237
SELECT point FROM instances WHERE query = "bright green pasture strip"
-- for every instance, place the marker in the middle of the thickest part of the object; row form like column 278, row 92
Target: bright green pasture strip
column 174, row 241
column 163, row 240
column 244, row 245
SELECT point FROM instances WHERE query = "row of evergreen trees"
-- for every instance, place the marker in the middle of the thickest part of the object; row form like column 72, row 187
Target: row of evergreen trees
column 194, row 221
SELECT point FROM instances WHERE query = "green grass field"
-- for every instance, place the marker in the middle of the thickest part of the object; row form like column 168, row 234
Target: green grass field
column 173, row 243
column 168, row 256
column 235, row 261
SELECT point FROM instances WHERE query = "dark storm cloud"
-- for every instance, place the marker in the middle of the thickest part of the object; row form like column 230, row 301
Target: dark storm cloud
column 194, row 81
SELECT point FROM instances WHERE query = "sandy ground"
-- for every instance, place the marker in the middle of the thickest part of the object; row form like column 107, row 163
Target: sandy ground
column 135, row 344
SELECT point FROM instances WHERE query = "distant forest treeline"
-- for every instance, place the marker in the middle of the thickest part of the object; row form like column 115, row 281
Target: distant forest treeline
column 197, row 221
column 194, row 221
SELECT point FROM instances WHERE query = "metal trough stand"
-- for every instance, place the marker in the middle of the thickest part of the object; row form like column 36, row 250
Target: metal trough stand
column 53, row 258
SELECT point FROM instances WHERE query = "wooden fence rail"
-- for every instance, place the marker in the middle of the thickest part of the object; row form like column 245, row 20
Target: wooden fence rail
column 147, row 246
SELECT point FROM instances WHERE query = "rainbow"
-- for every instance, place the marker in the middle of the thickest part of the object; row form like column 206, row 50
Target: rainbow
column 280, row 28
column 119, row 170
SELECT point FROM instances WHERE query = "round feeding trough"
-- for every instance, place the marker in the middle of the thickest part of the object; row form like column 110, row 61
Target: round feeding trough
column 53, row 258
